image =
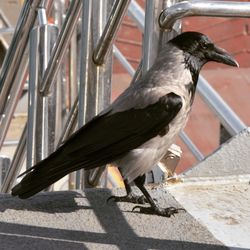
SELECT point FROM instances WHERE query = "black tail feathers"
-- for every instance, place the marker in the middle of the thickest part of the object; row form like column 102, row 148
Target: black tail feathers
column 43, row 175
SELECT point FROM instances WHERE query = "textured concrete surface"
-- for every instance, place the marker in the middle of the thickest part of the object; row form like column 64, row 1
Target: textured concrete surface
column 217, row 192
column 222, row 206
column 83, row 220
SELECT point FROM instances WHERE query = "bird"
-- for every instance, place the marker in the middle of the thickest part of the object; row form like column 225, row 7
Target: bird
column 136, row 130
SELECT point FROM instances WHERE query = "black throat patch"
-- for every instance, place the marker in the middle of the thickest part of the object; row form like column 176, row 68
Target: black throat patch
column 194, row 67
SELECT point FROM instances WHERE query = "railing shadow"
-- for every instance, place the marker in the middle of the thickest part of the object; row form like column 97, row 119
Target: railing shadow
column 116, row 228
column 45, row 202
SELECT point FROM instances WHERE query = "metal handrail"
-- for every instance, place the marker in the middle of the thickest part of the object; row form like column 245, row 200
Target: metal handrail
column 61, row 45
column 109, row 33
column 16, row 163
column 70, row 123
column 15, row 64
column 228, row 118
column 168, row 17
column 16, row 50
column 41, row 110
column 14, row 94
column 85, row 62
column 202, row 8
column 4, row 31
column 136, row 12
column 117, row 53
column 190, row 144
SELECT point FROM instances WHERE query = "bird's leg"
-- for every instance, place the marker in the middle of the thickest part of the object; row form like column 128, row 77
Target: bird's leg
column 154, row 209
column 130, row 197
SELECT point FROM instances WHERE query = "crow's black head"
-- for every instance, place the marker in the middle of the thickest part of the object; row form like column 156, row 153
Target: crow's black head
column 200, row 49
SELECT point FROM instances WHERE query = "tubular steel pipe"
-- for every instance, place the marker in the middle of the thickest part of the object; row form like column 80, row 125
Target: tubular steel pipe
column 136, row 12
column 68, row 129
column 192, row 147
column 16, row 163
column 16, row 50
column 4, row 31
column 70, row 123
column 154, row 37
column 95, row 81
column 84, row 60
column 102, row 80
column 123, row 60
column 61, row 45
column 42, row 18
column 41, row 110
column 84, row 70
column 228, row 118
column 73, row 69
column 202, row 8
column 14, row 71
column 108, row 35
column 14, row 94
column 151, row 34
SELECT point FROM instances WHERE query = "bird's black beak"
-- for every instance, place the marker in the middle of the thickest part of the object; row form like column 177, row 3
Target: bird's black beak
column 222, row 56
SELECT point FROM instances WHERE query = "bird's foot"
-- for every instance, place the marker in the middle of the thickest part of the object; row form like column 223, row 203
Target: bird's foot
column 131, row 197
column 166, row 212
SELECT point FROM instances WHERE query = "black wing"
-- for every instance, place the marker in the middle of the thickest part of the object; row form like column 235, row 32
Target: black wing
column 107, row 137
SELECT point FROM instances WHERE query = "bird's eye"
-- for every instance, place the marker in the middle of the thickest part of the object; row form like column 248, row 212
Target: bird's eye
column 206, row 46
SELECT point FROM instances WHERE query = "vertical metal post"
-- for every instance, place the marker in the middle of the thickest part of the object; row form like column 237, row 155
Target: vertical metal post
column 95, row 81
column 4, row 166
column 41, row 110
column 102, row 75
column 151, row 34
column 84, row 69
column 58, row 20
column 73, row 69
column 154, row 38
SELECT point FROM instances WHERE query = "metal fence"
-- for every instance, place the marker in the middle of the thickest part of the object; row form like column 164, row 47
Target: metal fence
column 86, row 89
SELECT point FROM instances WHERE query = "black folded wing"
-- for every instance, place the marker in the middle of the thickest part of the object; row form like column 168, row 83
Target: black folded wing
column 107, row 137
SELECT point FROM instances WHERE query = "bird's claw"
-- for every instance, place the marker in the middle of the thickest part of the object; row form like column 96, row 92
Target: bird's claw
column 167, row 212
column 132, row 198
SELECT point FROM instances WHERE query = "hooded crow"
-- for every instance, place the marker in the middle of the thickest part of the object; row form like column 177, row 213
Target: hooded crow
column 137, row 129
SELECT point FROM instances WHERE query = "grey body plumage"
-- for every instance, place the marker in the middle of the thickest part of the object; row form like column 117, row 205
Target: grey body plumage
column 137, row 129
column 163, row 78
